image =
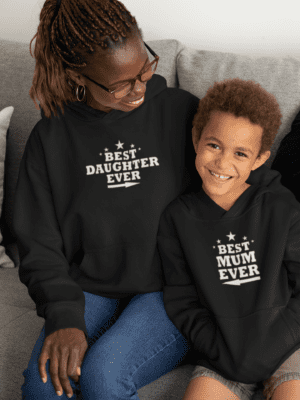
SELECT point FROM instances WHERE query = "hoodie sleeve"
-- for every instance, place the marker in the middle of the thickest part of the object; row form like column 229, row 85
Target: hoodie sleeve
column 195, row 179
column 291, row 261
column 181, row 300
column 43, row 265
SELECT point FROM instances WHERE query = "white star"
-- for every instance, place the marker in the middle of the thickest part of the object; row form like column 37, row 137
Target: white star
column 100, row 154
column 132, row 145
column 119, row 145
column 139, row 148
column 218, row 241
column 214, row 247
column 231, row 236
column 252, row 241
column 245, row 237
column 105, row 149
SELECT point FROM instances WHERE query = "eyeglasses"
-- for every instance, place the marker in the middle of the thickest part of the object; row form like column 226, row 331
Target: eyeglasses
column 127, row 87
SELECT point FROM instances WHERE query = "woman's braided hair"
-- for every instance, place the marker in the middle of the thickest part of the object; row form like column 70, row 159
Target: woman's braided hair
column 63, row 41
column 240, row 98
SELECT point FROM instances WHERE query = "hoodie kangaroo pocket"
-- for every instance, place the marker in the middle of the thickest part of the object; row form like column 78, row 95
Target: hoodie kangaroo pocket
column 254, row 345
column 292, row 323
column 120, row 268
column 117, row 264
column 105, row 264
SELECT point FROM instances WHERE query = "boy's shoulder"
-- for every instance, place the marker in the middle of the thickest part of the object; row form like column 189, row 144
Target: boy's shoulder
column 283, row 197
column 277, row 194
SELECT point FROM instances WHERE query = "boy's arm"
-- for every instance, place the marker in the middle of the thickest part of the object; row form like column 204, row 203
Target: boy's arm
column 181, row 300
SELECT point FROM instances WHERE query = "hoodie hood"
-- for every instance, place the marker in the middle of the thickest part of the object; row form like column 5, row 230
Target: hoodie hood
column 84, row 112
column 264, row 176
column 270, row 180
column 262, row 180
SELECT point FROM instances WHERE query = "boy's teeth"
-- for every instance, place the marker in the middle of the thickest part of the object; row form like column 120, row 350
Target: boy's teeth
column 220, row 176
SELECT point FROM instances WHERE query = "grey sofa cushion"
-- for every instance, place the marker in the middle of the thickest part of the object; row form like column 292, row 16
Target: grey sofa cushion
column 16, row 72
column 5, row 117
column 168, row 51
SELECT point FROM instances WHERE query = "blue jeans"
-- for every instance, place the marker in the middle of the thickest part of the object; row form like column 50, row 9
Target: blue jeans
column 132, row 343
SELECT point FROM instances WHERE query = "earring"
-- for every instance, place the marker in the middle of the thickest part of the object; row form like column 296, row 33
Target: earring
column 77, row 91
column 69, row 82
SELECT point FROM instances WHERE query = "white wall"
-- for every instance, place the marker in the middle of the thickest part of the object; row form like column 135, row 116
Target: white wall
column 258, row 27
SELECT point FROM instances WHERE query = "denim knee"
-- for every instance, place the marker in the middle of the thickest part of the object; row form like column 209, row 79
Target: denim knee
column 35, row 388
column 106, row 381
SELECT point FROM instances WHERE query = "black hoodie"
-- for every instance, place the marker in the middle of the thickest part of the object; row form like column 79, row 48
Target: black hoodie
column 232, row 278
column 91, row 188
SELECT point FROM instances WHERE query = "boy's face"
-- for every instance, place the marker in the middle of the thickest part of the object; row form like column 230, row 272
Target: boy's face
column 228, row 146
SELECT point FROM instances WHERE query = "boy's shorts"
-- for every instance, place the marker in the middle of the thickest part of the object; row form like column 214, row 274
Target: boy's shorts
column 289, row 370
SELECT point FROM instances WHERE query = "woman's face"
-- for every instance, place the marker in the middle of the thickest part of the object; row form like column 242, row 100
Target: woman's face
column 112, row 68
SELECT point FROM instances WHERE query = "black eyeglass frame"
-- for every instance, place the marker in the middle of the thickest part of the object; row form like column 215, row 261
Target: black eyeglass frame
column 132, row 81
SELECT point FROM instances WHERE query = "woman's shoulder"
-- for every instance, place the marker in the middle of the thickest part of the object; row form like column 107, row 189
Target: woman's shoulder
column 182, row 94
column 42, row 132
column 159, row 85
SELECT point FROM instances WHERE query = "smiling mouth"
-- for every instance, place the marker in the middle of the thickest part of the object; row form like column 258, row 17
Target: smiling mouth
column 221, row 177
column 139, row 101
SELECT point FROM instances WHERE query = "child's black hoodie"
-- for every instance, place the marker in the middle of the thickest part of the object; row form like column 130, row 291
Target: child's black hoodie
column 232, row 278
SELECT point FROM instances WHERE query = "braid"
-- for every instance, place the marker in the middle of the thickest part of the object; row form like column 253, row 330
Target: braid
column 80, row 24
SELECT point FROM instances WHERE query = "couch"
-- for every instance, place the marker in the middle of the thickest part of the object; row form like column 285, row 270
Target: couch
column 191, row 69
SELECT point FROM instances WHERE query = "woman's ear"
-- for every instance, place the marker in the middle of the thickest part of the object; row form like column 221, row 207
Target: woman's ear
column 75, row 77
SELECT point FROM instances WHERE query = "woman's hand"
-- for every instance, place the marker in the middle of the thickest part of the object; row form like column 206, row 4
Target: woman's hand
column 66, row 349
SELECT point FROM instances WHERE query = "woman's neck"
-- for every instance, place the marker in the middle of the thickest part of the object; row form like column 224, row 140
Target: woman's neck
column 91, row 102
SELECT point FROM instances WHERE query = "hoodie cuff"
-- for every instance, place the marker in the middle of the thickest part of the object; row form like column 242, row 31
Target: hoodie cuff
column 62, row 317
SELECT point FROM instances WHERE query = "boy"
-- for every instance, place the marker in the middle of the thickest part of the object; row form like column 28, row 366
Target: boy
column 231, row 254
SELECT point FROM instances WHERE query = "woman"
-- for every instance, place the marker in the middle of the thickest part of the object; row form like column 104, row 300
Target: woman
column 97, row 171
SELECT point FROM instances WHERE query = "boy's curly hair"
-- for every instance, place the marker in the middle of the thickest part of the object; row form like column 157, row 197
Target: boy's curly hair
column 243, row 99
column 66, row 39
